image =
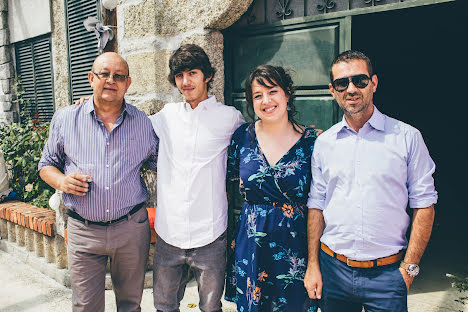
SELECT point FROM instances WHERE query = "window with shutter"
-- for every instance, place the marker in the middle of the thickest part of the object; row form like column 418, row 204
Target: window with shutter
column 34, row 66
column 82, row 45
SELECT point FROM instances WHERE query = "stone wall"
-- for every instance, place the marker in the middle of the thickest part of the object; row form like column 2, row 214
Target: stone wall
column 149, row 31
column 7, row 109
column 60, row 55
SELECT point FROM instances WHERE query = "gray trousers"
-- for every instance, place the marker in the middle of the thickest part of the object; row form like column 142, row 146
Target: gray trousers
column 126, row 244
column 170, row 274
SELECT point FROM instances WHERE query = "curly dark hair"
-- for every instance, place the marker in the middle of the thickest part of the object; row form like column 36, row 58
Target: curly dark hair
column 351, row 55
column 188, row 57
column 270, row 76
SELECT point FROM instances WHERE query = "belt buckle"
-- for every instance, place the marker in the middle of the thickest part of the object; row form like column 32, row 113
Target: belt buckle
column 347, row 261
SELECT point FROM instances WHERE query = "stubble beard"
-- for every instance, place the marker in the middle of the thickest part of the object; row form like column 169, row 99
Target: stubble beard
column 356, row 114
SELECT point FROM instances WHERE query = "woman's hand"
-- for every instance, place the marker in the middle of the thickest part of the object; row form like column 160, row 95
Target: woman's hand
column 318, row 131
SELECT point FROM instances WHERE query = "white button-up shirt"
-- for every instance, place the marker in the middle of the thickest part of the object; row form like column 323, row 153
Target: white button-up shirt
column 192, row 203
column 363, row 181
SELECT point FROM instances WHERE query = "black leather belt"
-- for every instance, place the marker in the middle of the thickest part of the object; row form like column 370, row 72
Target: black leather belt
column 76, row 216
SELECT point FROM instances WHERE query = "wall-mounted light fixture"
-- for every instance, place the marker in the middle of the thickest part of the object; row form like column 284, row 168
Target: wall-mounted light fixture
column 109, row 4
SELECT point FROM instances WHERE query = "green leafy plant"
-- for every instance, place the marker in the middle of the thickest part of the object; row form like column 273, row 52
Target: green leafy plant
column 22, row 145
column 461, row 284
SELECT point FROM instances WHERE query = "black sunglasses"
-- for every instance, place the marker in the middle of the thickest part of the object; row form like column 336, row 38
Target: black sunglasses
column 361, row 81
column 116, row 77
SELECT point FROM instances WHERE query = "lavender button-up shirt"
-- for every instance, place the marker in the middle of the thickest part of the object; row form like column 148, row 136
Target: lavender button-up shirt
column 363, row 182
column 77, row 136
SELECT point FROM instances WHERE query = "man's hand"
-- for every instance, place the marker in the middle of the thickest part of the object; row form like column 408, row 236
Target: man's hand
column 408, row 279
column 81, row 100
column 74, row 183
column 313, row 282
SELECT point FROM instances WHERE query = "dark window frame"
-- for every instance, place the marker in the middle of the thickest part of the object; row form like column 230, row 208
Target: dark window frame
column 38, row 91
column 81, row 47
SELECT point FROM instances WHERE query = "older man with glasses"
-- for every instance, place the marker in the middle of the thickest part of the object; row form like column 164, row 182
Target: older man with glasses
column 365, row 170
column 106, row 141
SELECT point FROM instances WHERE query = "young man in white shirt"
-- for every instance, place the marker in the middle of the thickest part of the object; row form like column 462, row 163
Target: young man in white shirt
column 191, row 215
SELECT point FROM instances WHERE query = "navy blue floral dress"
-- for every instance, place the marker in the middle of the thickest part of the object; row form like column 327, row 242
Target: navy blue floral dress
column 268, row 258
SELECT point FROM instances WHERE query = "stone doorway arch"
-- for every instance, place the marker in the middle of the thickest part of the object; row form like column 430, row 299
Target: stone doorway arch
column 149, row 30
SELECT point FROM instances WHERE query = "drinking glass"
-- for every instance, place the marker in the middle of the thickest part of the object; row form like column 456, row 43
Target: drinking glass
column 87, row 170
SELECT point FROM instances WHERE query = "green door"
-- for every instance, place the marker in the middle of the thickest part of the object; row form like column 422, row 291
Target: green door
column 304, row 48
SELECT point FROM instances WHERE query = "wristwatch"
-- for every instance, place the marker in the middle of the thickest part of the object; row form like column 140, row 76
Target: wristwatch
column 411, row 269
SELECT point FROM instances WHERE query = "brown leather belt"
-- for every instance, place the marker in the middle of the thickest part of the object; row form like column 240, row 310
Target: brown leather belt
column 363, row 264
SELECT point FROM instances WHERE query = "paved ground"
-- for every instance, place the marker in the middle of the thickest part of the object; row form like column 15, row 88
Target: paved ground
column 24, row 289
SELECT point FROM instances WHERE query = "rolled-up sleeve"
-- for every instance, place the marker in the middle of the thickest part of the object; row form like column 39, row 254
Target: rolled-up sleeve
column 317, row 194
column 420, row 183
column 53, row 152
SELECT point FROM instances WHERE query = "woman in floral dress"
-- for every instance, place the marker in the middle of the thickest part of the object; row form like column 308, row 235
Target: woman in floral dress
column 270, row 162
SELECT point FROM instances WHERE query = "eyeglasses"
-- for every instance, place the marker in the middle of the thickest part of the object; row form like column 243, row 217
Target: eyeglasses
column 107, row 76
column 361, row 81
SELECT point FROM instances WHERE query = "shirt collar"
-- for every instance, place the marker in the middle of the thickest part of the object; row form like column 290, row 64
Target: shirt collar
column 210, row 102
column 376, row 121
column 88, row 106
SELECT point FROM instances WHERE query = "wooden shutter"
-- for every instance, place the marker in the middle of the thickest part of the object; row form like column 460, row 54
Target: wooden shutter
column 34, row 66
column 82, row 45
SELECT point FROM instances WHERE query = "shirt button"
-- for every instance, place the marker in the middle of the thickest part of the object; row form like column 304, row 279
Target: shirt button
column 107, row 165
column 107, row 210
column 107, row 188
column 107, row 143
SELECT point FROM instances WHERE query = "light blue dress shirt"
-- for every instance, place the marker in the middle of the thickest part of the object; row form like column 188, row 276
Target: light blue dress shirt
column 77, row 136
column 363, row 181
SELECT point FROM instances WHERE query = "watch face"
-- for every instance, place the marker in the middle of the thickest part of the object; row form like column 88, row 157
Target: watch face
column 413, row 270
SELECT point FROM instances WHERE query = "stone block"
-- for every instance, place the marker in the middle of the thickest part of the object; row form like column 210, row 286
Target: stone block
column 60, row 249
column 149, row 72
column 7, row 117
column 29, row 239
column 165, row 17
column 3, row 19
column 56, row 203
column 150, row 106
column 5, row 97
column 3, row 229
column 20, row 235
column 4, row 37
column 5, row 85
column 6, row 106
column 140, row 19
column 6, row 71
column 4, row 55
column 3, row 5
column 49, row 249
column 39, row 244
column 11, row 232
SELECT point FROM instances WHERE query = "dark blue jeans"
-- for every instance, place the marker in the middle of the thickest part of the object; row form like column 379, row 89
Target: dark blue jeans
column 349, row 289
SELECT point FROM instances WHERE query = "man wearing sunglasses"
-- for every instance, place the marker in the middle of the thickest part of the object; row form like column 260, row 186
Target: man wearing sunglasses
column 107, row 221
column 365, row 171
